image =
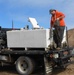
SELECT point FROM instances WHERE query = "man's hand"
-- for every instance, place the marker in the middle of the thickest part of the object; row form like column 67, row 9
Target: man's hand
column 57, row 18
column 60, row 18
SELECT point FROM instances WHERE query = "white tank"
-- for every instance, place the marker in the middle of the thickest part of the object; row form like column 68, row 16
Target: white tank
column 38, row 38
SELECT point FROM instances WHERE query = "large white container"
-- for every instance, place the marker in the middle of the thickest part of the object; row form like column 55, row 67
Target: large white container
column 38, row 38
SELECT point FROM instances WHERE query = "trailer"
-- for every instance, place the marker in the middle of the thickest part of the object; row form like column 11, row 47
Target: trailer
column 28, row 49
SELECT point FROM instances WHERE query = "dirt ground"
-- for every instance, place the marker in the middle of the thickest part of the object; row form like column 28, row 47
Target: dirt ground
column 69, row 71
column 10, row 70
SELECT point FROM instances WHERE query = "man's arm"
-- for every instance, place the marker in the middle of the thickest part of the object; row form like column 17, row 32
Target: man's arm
column 61, row 16
column 51, row 26
column 51, row 23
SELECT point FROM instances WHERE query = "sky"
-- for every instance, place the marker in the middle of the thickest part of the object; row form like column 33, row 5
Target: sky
column 20, row 10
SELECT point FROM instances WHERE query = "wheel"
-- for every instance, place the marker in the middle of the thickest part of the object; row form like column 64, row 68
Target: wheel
column 24, row 65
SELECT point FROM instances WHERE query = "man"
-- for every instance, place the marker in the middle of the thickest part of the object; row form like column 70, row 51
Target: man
column 57, row 22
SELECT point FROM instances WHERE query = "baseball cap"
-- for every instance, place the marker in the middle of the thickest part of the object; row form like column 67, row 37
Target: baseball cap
column 51, row 10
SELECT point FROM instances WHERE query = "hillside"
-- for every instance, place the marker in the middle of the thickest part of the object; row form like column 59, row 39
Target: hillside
column 71, row 37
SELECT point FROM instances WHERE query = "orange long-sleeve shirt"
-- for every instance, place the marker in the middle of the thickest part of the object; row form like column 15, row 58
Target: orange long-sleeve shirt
column 57, row 15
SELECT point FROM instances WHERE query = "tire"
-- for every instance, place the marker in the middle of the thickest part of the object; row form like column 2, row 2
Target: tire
column 24, row 65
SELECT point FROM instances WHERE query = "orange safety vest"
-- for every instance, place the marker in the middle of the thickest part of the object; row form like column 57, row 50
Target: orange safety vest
column 57, row 15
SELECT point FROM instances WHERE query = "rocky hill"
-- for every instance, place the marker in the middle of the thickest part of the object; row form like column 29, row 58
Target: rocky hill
column 71, row 37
